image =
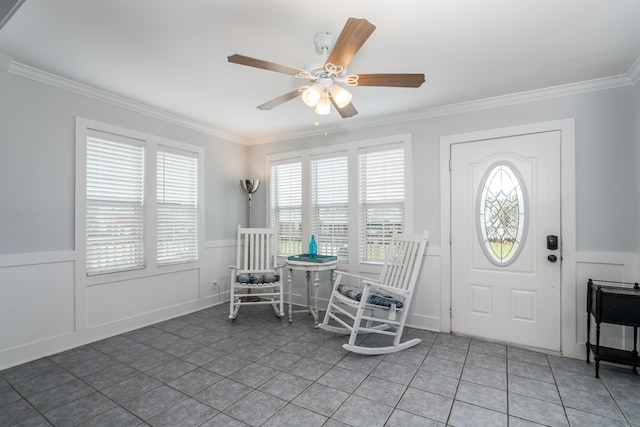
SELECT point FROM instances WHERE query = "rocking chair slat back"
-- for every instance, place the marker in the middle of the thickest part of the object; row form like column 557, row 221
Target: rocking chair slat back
column 402, row 263
column 255, row 252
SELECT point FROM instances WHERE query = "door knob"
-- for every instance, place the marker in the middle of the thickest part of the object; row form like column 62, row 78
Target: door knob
column 552, row 258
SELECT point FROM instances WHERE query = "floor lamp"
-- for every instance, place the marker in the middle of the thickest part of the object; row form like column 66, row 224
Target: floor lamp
column 249, row 186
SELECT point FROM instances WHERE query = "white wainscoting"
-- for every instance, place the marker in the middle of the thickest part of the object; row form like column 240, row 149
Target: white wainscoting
column 39, row 303
column 612, row 266
column 38, row 308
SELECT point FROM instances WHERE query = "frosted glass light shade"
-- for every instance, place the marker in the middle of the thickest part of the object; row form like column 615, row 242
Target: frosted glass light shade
column 323, row 108
column 312, row 95
column 341, row 97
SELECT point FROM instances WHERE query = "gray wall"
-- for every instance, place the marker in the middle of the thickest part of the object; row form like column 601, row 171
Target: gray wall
column 37, row 165
column 606, row 161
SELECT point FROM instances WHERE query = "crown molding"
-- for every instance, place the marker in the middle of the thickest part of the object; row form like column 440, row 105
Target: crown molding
column 477, row 105
column 631, row 77
column 118, row 101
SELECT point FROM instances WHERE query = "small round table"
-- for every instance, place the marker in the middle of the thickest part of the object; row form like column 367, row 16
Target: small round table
column 304, row 263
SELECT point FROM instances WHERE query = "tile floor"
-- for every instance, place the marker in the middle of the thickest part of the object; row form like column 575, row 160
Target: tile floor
column 204, row 370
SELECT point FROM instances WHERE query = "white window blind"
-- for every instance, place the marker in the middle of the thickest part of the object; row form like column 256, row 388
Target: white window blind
column 115, row 204
column 330, row 205
column 177, row 207
column 381, row 201
column 286, row 206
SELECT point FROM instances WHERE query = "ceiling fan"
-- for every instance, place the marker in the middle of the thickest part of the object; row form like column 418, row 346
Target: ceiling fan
column 328, row 69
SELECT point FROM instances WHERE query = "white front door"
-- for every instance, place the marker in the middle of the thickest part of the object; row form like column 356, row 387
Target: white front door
column 505, row 201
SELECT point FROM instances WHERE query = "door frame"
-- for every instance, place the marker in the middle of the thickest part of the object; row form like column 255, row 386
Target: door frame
column 568, row 344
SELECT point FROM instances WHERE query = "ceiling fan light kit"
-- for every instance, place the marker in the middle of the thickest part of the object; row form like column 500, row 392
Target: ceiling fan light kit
column 329, row 68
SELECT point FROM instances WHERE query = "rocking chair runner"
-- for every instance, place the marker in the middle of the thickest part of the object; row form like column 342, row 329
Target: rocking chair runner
column 256, row 278
column 356, row 308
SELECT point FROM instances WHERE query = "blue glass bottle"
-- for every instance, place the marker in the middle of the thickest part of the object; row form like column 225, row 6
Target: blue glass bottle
column 313, row 247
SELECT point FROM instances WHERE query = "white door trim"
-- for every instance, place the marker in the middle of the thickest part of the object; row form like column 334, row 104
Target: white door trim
column 568, row 307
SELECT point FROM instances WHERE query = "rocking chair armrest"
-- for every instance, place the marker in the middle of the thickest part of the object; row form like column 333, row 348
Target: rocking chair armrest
column 389, row 289
column 357, row 276
column 233, row 267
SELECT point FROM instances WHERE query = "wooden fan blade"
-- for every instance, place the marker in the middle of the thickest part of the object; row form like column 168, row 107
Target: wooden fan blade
column 280, row 100
column 265, row 65
column 348, row 111
column 394, row 80
column 354, row 34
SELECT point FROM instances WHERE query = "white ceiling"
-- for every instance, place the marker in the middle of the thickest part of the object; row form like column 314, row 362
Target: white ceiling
column 172, row 54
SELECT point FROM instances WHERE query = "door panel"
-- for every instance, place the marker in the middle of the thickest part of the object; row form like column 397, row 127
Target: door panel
column 512, row 298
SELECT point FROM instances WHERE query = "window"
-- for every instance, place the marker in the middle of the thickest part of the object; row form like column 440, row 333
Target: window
column 381, row 201
column 286, row 206
column 330, row 205
column 350, row 196
column 115, row 204
column 138, row 198
column 501, row 213
column 177, row 207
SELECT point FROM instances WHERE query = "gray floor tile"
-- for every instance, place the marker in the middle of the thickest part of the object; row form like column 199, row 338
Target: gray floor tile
column 187, row 413
column 285, row 386
column 401, row 418
column 448, row 353
column 60, row 395
column 591, row 402
column 527, row 356
column 130, row 388
column 195, row 381
column 295, row 416
column 536, row 410
column 486, row 377
column 435, row 383
column 260, row 369
column 631, row 410
column 254, row 375
column 153, row 402
column 382, row 391
column 280, row 360
column 423, row 403
column 308, row 369
column 321, row 399
column 342, row 379
column 223, row 420
column 360, row 412
column 527, row 370
column 255, row 408
column 466, row 415
column 115, row 417
column 534, row 388
column 448, row 368
column 16, row 411
column 581, row 418
column 110, row 376
column 79, row 410
column 223, row 393
column 8, row 395
column 401, row 374
column 485, row 397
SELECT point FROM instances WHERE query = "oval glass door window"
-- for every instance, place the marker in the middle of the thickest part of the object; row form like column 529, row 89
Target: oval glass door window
column 502, row 213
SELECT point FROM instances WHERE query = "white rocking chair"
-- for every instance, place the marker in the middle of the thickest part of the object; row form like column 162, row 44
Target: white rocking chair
column 357, row 309
column 256, row 278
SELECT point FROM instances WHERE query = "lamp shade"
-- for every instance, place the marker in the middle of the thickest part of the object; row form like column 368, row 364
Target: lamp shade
column 312, row 95
column 249, row 186
column 341, row 97
column 323, row 108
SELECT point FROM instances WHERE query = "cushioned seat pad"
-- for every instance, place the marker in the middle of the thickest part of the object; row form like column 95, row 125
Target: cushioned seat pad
column 375, row 298
column 255, row 278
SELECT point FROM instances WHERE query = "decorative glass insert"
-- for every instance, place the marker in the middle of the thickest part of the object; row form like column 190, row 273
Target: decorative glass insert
column 502, row 213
